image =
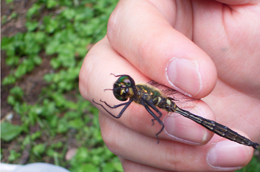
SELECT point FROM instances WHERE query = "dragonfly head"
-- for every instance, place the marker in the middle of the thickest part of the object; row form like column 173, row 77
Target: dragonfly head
column 124, row 87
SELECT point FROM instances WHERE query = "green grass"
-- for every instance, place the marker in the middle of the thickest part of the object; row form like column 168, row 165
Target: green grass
column 58, row 118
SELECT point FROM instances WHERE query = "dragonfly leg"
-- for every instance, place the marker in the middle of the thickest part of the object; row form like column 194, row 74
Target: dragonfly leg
column 153, row 121
column 113, row 107
column 146, row 105
column 154, row 108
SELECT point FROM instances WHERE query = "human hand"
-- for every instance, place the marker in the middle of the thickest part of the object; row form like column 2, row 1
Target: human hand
column 166, row 41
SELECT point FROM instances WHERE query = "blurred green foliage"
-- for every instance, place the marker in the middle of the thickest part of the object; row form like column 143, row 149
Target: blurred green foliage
column 61, row 31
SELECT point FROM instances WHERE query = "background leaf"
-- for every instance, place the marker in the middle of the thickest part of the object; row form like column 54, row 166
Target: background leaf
column 9, row 131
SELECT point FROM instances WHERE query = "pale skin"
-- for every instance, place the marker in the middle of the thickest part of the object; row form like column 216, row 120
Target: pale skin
column 203, row 49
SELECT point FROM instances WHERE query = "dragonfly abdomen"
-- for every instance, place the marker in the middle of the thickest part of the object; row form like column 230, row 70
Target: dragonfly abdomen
column 218, row 128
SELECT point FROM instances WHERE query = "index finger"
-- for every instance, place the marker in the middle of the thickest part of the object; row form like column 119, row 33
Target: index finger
column 159, row 44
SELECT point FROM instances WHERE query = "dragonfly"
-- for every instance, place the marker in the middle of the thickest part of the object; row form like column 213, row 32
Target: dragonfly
column 125, row 89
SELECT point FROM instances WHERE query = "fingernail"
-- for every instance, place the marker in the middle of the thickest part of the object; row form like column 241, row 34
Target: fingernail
column 185, row 130
column 229, row 155
column 184, row 76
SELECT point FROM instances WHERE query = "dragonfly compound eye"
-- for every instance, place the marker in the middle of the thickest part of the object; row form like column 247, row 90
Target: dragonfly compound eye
column 124, row 88
column 126, row 81
column 119, row 93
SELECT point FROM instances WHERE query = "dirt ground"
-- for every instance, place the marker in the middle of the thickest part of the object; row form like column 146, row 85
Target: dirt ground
column 31, row 83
